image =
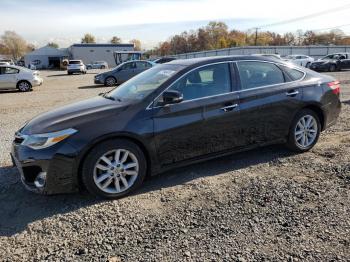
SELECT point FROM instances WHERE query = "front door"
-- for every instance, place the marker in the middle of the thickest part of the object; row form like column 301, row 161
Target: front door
column 126, row 72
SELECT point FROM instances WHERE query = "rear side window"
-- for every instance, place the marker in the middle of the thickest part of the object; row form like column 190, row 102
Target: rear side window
column 294, row 74
column 256, row 74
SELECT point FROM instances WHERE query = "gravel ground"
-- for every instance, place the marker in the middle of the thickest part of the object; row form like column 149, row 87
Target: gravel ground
column 266, row 204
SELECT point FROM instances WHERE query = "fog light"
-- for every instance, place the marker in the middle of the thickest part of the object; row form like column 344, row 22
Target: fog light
column 40, row 180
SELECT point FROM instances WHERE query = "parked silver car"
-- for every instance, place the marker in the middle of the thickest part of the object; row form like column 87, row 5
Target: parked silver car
column 97, row 65
column 123, row 72
column 76, row 66
column 16, row 77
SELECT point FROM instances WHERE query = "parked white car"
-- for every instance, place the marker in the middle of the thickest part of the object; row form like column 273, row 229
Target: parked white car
column 21, row 78
column 97, row 65
column 4, row 63
column 76, row 66
column 300, row 60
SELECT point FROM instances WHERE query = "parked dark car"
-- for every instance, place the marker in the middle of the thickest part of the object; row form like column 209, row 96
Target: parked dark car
column 123, row 72
column 171, row 115
column 163, row 60
column 331, row 63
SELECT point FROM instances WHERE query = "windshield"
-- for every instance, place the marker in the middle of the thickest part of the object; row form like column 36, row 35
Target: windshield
column 145, row 83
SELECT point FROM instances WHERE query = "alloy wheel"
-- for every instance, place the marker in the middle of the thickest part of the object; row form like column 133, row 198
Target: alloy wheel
column 23, row 86
column 116, row 171
column 305, row 132
column 110, row 81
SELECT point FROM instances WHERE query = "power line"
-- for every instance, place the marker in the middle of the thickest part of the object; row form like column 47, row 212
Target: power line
column 328, row 11
column 330, row 28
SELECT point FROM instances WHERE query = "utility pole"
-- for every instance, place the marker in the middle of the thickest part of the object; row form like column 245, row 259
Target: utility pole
column 256, row 35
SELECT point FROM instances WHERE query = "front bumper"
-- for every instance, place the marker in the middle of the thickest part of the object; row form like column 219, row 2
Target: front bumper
column 37, row 81
column 57, row 162
column 319, row 67
column 99, row 81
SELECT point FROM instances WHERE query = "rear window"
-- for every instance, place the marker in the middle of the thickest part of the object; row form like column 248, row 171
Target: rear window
column 257, row 74
column 294, row 74
column 74, row 62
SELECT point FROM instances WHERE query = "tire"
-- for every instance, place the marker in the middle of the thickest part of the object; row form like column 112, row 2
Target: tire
column 69, row 73
column 332, row 68
column 24, row 86
column 110, row 81
column 296, row 131
column 96, row 172
column 103, row 67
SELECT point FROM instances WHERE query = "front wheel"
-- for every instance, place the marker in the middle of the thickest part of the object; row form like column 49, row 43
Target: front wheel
column 114, row 168
column 24, row 86
column 110, row 81
column 304, row 131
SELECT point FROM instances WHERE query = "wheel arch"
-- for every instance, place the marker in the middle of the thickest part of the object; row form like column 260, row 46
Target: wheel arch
column 320, row 113
column 130, row 137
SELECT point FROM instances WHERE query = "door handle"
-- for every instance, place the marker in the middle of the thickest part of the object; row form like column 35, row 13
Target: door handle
column 229, row 108
column 292, row 93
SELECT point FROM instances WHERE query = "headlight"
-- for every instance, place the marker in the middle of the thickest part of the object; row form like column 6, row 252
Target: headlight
column 40, row 141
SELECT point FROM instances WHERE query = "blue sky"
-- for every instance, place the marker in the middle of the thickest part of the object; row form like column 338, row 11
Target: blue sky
column 153, row 21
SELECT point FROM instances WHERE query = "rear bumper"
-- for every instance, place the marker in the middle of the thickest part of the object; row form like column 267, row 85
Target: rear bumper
column 59, row 168
column 75, row 70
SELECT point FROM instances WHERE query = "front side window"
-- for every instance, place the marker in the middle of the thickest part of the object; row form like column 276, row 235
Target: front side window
column 10, row 70
column 142, row 65
column 256, row 74
column 205, row 81
column 128, row 66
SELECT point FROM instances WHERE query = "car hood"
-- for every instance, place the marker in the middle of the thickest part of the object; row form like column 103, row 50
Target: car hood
column 73, row 115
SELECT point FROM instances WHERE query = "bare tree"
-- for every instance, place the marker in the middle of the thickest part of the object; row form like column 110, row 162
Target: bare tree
column 116, row 40
column 53, row 44
column 137, row 44
column 88, row 39
column 15, row 45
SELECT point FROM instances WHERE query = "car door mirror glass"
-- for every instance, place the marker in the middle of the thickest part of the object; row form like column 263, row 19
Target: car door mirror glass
column 171, row 97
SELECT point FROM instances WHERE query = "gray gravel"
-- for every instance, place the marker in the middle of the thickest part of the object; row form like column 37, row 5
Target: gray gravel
column 267, row 204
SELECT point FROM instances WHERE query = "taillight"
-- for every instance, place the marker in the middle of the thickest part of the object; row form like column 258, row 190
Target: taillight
column 335, row 86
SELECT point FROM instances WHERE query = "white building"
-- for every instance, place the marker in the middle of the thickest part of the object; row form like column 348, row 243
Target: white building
column 46, row 57
column 49, row 57
column 98, row 52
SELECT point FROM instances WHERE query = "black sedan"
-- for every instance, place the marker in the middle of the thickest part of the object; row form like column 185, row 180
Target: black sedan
column 331, row 63
column 171, row 115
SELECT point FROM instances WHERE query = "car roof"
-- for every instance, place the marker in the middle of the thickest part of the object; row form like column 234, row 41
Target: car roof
column 214, row 59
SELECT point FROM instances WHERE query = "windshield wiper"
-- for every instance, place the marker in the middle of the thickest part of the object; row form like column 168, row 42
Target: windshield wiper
column 105, row 95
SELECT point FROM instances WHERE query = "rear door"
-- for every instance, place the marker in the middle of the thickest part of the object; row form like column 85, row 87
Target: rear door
column 268, row 100
column 8, row 77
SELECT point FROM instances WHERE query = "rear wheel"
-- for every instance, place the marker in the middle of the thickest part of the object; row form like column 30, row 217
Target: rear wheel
column 304, row 131
column 110, row 81
column 103, row 67
column 114, row 168
column 24, row 86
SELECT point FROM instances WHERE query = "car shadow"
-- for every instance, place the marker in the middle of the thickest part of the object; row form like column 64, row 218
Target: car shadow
column 346, row 102
column 91, row 86
column 20, row 207
column 65, row 74
column 9, row 91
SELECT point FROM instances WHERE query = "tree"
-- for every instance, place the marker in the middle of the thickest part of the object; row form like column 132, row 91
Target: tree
column 88, row 39
column 15, row 45
column 52, row 44
column 116, row 40
column 137, row 44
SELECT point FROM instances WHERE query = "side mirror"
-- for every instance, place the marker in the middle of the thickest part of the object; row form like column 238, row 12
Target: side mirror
column 172, row 97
